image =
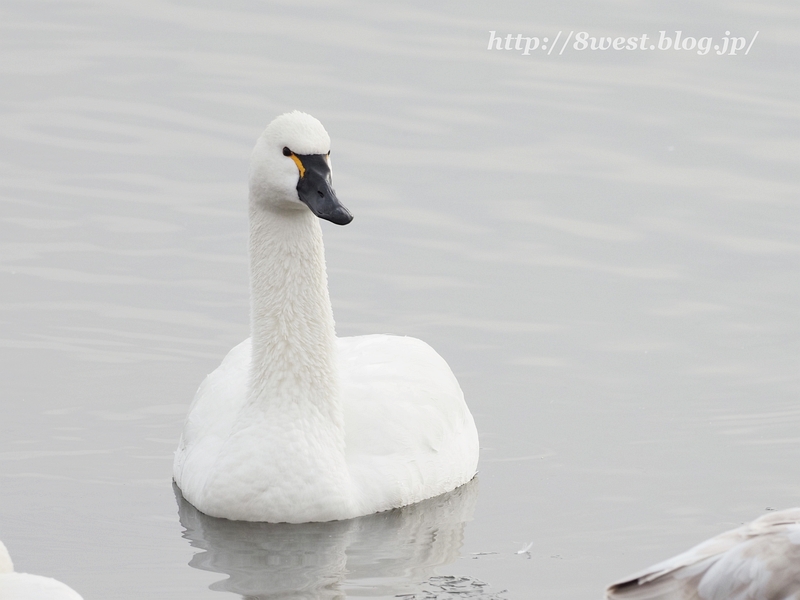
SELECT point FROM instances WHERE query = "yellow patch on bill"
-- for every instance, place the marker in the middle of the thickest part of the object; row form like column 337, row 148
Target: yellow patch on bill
column 299, row 165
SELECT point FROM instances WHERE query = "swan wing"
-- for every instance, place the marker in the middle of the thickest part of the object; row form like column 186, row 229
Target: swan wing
column 758, row 561
column 210, row 418
column 409, row 433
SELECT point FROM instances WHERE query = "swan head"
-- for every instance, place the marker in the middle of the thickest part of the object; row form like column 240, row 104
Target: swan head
column 290, row 168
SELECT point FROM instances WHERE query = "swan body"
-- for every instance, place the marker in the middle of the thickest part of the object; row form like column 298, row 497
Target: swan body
column 757, row 561
column 297, row 425
column 23, row 586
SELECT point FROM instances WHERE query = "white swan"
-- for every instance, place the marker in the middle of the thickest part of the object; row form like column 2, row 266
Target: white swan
column 296, row 425
column 23, row 586
column 757, row 561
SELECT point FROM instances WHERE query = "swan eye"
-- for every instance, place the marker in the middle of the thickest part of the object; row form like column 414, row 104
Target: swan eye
column 287, row 152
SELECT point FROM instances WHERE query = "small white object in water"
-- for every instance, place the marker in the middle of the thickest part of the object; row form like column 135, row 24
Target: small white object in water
column 23, row 586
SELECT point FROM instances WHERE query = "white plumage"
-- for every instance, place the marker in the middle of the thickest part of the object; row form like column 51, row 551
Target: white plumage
column 23, row 586
column 296, row 425
column 757, row 561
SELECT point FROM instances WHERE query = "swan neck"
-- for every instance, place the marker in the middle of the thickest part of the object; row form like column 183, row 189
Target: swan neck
column 293, row 336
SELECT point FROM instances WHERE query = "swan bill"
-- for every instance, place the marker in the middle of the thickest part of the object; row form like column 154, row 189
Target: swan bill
column 315, row 191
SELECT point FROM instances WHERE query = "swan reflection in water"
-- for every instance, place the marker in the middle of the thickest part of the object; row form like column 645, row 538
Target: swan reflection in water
column 383, row 554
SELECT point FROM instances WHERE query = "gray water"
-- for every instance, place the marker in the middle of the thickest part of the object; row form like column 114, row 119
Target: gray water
column 604, row 245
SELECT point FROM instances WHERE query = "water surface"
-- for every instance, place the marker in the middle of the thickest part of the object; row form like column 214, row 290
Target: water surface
column 604, row 246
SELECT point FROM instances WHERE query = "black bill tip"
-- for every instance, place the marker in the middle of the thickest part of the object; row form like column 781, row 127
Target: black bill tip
column 339, row 216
